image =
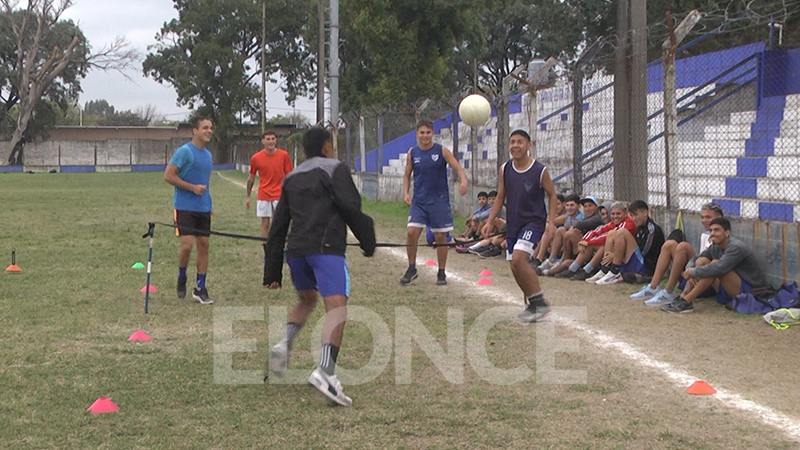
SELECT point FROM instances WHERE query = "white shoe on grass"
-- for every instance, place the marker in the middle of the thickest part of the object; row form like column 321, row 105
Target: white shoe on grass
column 661, row 298
column 330, row 387
column 645, row 293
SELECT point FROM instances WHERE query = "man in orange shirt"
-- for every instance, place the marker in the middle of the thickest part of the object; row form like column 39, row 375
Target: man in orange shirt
column 272, row 164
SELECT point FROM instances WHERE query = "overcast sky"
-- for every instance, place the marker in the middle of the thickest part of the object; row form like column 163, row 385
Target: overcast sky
column 139, row 21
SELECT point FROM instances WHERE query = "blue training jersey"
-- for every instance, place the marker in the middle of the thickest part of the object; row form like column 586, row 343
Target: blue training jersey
column 430, row 175
column 524, row 197
column 194, row 166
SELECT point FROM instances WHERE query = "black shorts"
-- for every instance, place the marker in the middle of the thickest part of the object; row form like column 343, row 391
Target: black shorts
column 192, row 223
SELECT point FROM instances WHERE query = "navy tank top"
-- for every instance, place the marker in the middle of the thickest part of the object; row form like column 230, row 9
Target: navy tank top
column 430, row 175
column 524, row 197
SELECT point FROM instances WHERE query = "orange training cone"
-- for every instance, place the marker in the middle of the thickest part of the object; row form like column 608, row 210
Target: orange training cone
column 14, row 268
column 430, row 262
column 700, row 387
column 152, row 289
column 486, row 273
column 484, row 281
column 139, row 336
column 103, row 405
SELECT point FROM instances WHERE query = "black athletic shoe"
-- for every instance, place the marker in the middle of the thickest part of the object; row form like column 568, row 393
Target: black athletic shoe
column 441, row 278
column 566, row 273
column 411, row 275
column 480, row 249
column 580, row 275
column 493, row 252
column 534, row 312
column 678, row 306
column 201, row 296
column 181, row 288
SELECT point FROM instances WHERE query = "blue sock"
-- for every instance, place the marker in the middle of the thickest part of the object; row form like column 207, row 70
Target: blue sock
column 181, row 273
column 588, row 267
column 574, row 266
column 201, row 280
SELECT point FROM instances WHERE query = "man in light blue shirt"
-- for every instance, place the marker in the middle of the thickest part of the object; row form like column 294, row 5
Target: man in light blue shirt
column 189, row 171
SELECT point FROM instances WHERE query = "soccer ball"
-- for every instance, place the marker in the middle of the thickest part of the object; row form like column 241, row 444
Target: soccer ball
column 475, row 110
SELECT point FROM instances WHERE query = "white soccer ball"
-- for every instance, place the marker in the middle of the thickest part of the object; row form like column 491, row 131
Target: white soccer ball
column 475, row 110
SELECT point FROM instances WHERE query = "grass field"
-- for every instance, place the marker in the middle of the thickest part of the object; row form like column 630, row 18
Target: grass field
column 65, row 320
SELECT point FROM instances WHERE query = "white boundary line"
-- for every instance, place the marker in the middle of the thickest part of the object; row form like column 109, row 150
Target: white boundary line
column 605, row 341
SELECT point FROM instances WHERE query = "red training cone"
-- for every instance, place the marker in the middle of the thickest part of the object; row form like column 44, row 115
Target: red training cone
column 139, row 336
column 152, row 289
column 13, row 268
column 486, row 273
column 103, row 405
column 484, row 281
column 700, row 387
column 430, row 262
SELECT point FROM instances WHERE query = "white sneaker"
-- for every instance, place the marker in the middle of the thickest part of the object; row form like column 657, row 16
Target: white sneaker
column 645, row 293
column 279, row 358
column 547, row 264
column 610, row 278
column 661, row 298
column 600, row 274
column 329, row 386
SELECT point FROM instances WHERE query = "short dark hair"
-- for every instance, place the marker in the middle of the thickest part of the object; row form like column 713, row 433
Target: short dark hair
column 561, row 198
column 638, row 205
column 573, row 198
column 522, row 133
column 424, row 123
column 196, row 121
column 492, row 193
column 314, row 140
column 266, row 133
column 723, row 222
column 482, row 194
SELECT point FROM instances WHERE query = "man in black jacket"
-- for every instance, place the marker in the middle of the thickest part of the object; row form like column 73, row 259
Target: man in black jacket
column 319, row 201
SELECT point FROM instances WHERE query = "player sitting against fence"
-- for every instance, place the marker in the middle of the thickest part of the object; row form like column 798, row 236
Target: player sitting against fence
column 473, row 222
column 569, row 247
column 676, row 256
column 728, row 265
column 550, row 247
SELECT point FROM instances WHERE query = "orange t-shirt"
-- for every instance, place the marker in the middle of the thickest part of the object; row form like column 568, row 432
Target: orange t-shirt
column 271, row 169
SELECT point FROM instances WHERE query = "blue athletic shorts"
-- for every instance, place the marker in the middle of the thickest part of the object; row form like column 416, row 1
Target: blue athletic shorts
column 526, row 240
column 326, row 273
column 635, row 264
column 723, row 297
column 437, row 216
column 709, row 292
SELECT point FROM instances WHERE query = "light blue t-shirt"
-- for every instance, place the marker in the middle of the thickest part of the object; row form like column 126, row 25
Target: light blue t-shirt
column 194, row 166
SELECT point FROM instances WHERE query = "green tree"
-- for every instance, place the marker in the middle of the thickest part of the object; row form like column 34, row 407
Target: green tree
column 207, row 52
column 43, row 57
column 98, row 108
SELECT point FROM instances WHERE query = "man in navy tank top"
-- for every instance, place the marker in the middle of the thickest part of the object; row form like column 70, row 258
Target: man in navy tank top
column 431, row 203
column 524, row 183
column 189, row 171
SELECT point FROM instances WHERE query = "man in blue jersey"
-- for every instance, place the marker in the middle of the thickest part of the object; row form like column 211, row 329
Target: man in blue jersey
column 524, row 184
column 431, row 204
column 189, row 171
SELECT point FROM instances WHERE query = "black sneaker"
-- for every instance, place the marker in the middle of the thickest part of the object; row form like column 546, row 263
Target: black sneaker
column 580, row 275
column 441, row 278
column 480, row 249
column 201, row 295
column 678, row 306
column 493, row 252
column 534, row 312
column 411, row 275
column 566, row 273
column 182, row 288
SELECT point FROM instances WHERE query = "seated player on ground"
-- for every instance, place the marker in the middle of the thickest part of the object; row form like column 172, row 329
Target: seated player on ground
column 550, row 246
column 472, row 221
column 569, row 247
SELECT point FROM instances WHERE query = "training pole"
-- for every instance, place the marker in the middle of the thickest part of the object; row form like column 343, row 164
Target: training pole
column 150, row 232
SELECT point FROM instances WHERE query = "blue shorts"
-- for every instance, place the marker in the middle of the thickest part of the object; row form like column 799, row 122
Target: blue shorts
column 437, row 216
column 326, row 273
column 431, row 238
column 526, row 240
column 723, row 297
column 635, row 264
column 709, row 292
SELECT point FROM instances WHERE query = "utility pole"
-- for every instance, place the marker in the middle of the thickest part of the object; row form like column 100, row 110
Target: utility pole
column 334, row 74
column 321, row 62
column 263, row 68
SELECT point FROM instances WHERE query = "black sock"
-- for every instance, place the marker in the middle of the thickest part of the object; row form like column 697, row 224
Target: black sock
column 412, row 266
column 291, row 331
column 604, row 268
column 327, row 361
column 441, row 272
column 614, row 268
column 536, row 299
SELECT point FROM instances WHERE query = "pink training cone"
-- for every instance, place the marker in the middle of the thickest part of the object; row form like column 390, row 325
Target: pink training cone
column 430, row 262
column 139, row 336
column 152, row 289
column 700, row 387
column 103, row 405
column 484, row 281
column 486, row 273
